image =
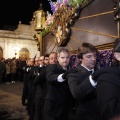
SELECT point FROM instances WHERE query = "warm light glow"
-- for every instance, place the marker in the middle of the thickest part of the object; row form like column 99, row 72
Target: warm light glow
column 16, row 48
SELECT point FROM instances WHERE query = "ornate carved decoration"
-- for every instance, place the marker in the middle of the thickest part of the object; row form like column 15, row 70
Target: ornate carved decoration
column 117, row 10
column 64, row 18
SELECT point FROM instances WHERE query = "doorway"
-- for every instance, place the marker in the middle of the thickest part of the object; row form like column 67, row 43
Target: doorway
column 24, row 53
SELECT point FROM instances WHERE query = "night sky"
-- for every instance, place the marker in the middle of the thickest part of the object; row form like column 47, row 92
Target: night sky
column 13, row 11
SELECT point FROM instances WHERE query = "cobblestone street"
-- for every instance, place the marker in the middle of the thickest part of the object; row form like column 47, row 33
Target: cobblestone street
column 15, row 88
column 10, row 102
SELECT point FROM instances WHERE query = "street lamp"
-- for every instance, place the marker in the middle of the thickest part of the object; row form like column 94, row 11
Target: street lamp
column 39, row 17
column 16, row 49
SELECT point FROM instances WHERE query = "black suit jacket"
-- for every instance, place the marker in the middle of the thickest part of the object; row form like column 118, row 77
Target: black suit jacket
column 25, row 86
column 108, row 93
column 84, row 94
column 40, row 83
column 58, row 95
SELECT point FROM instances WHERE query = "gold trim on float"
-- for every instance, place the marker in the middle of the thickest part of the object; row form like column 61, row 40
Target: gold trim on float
column 107, row 35
column 104, row 13
column 70, row 46
column 75, row 40
column 49, row 45
column 57, row 49
column 106, row 46
column 53, row 48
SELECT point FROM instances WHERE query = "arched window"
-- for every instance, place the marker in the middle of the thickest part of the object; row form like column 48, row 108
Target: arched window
column 24, row 53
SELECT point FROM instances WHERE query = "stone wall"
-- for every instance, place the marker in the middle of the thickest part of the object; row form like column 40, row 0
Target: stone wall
column 22, row 37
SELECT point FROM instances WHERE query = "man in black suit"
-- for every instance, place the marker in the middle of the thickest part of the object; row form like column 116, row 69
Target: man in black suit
column 81, row 84
column 108, row 88
column 57, row 100
column 35, row 70
column 40, row 83
column 26, row 87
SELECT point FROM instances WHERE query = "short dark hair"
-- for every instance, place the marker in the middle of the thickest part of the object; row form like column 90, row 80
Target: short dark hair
column 63, row 50
column 86, row 48
column 46, row 55
column 116, row 48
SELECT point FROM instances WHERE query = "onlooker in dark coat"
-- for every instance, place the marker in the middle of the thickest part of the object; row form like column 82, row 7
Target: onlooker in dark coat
column 2, row 70
column 8, row 72
column 13, row 70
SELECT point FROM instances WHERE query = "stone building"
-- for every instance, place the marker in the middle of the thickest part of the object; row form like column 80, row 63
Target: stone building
column 18, row 43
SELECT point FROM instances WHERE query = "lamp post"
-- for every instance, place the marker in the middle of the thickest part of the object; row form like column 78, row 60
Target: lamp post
column 16, row 49
column 39, row 18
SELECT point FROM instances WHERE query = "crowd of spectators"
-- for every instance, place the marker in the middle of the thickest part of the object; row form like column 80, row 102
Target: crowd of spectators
column 11, row 70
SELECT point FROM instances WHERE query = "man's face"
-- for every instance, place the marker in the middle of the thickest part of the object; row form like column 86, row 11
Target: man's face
column 31, row 62
column 36, row 61
column 63, row 59
column 53, row 58
column 117, row 55
column 41, row 60
column 46, row 60
column 89, row 60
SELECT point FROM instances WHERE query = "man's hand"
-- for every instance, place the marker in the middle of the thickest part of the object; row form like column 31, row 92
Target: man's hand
column 72, row 70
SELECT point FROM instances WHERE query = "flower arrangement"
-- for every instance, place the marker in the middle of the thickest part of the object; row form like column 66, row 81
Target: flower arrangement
column 49, row 19
column 70, row 6
column 71, row 3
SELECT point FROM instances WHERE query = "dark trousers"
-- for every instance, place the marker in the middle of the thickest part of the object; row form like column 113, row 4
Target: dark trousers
column 8, row 77
column 0, row 76
column 3, row 76
column 60, row 113
column 39, row 108
column 20, row 75
column 13, row 77
column 38, row 112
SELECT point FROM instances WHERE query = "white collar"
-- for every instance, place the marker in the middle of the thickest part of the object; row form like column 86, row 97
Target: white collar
column 87, row 68
column 40, row 65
